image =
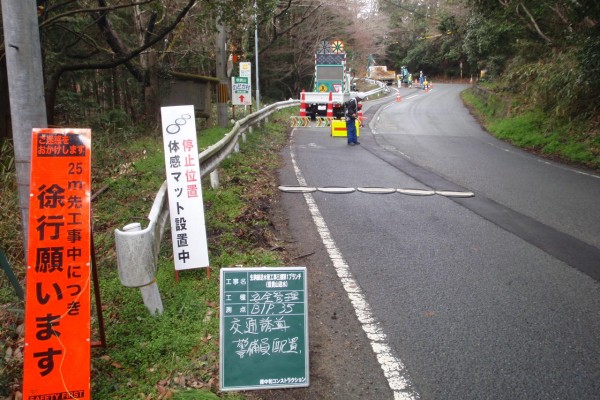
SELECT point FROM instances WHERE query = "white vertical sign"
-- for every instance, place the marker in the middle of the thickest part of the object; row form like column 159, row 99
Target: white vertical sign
column 246, row 69
column 188, row 229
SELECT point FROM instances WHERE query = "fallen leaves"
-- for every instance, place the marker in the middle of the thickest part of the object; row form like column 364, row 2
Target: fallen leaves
column 167, row 387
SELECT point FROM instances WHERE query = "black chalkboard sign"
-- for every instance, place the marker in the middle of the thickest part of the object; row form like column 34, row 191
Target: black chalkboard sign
column 264, row 328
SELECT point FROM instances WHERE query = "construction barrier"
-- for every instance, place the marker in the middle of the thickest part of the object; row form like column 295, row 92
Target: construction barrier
column 323, row 121
column 338, row 128
column 299, row 121
column 305, row 122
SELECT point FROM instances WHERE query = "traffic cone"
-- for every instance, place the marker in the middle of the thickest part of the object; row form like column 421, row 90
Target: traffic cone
column 398, row 97
column 360, row 115
column 302, row 105
column 330, row 106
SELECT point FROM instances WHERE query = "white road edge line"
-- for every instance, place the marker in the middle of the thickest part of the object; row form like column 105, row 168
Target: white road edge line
column 544, row 161
column 392, row 366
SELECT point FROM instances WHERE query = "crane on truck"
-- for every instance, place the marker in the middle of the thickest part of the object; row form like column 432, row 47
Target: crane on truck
column 379, row 72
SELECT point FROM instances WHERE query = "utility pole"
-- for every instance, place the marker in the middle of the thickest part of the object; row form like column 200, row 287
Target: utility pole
column 256, row 55
column 26, row 90
column 223, row 85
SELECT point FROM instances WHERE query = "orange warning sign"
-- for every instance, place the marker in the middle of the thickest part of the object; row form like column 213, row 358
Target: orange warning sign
column 57, row 317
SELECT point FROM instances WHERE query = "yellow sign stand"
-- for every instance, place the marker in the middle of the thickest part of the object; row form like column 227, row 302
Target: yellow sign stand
column 338, row 128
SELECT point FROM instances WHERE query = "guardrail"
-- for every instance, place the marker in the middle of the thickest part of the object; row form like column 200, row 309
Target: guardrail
column 137, row 249
column 383, row 87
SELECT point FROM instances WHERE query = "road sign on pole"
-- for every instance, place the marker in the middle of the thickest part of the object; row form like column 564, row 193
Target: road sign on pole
column 246, row 69
column 241, row 89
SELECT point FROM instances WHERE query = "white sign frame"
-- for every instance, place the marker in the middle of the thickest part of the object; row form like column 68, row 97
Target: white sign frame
column 246, row 69
column 241, row 91
column 186, row 208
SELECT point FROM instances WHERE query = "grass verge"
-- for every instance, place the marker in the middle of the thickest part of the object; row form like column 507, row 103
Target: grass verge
column 174, row 355
column 532, row 129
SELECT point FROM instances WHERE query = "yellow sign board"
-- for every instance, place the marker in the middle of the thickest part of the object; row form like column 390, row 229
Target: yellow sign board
column 338, row 127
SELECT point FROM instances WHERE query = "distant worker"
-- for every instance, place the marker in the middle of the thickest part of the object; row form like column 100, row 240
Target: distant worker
column 426, row 84
column 410, row 80
column 351, row 114
column 421, row 79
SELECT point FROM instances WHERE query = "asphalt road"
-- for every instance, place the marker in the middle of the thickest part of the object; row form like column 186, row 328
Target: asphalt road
column 494, row 296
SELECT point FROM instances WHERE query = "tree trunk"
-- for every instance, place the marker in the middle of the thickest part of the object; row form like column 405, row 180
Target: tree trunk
column 51, row 89
column 26, row 90
column 144, row 26
column 115, row 88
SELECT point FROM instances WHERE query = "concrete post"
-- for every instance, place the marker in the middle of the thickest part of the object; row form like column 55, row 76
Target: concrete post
column 151, row 297
column 23, row 57
column 214, row 179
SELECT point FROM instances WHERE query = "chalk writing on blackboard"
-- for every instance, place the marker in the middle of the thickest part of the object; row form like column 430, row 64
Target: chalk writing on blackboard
column 264, row 328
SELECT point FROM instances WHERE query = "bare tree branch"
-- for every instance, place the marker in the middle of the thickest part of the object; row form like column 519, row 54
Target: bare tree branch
column 284, row 9
column 54, row 78
column 309, row 12
column 564, row 19
column 79, row 37
column 535, row 25
column 134, row 53
column 89, row 10
column 113, row 39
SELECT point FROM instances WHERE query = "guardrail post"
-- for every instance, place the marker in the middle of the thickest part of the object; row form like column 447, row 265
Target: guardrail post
column 214, row 179
column 152, row 299
column 137, row 249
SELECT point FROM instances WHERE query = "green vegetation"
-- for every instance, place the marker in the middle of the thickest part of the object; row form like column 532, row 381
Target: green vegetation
column 531, row 128
column 542, row 91
column 538, row 60
column 174, row 355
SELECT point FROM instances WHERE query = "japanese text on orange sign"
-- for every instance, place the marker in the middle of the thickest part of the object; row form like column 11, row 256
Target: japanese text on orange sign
column 57, row 318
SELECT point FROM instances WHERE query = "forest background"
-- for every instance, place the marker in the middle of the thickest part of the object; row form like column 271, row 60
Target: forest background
column 536, row 61
column 102, row 59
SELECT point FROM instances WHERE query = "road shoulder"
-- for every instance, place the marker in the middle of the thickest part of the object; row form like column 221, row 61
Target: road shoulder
column 342, row 363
